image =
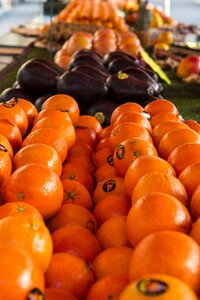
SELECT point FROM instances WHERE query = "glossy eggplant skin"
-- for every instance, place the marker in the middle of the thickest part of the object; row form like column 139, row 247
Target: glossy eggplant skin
column 84, row 88
column 120, row 63
column 91, row 71
column 39, row 101
column 109, row 57
column 123, row 87
column 104, row 106
column 141, row 74
column 49, row 63
column 89, row 52
column 12, row 92
column 85, row 59
column 37, row 78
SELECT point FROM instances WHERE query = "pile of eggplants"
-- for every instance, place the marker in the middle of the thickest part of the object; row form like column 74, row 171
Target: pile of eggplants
column 97, row 83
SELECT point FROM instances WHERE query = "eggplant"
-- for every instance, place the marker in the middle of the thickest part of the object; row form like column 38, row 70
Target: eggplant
column 117, row 54
column 120, row 63
column 104, row 106
column 91, row 71
column 84, row 88
column 123, row 87
column 13, row 92
column 141, row 74
column 89, row 52
column 85, row 59
column 37, row 78
column 49, row 63
column 38, row 103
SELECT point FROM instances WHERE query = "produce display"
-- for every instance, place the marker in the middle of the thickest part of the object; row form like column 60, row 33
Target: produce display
column 100, row 13
column 104, row 203
column 99, row 172
column 97, row 83
column 103, row 41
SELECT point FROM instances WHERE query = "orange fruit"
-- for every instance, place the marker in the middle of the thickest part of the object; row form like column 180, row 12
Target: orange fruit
column 72, row 214
column 77, row 240
column 29, row 234
column 160, row 105
column 61, row 125
column 114, row 227
column 108, row 287
column 125, row 131
column 58, row 294
column 75, row 192
column 157, row 253
column 89, row 122
column 5, row 165
column 143, row 165
column 30, row 110
column 38, row 153
column 105, row 132
column 83, row 161
column 105, row 171
column 194, row 233
column 12, row 133
column 51, row 112
column 72, row 171
column 112, row 261
column 102, row 144
column 64, row 103
column 46, row 192
column 111, row 206
column 14, row 113
column 195, row 203
column 82, row 148
column 129, row 150
column 161, row 117
column 160, row 182
column 50, row 137
column 66, row 266
column 17, row 208
column 175, row 138
column 154, row 212
column 86, row 134
column 16, row 262
column 6, row 144
column 123, row 108
column 135, row 117
column 158, row 286
column 102, row 156
column 193, row 125
column 183, row 156
column 111, row 186
column 190, row 178
column 159, row 130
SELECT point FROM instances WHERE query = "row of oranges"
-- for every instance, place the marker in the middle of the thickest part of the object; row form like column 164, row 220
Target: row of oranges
column 91, row 209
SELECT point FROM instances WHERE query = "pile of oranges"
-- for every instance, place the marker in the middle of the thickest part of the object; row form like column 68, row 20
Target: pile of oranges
column 93, row 213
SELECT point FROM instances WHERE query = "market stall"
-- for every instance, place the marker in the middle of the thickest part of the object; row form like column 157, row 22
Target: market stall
column 100, row 156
